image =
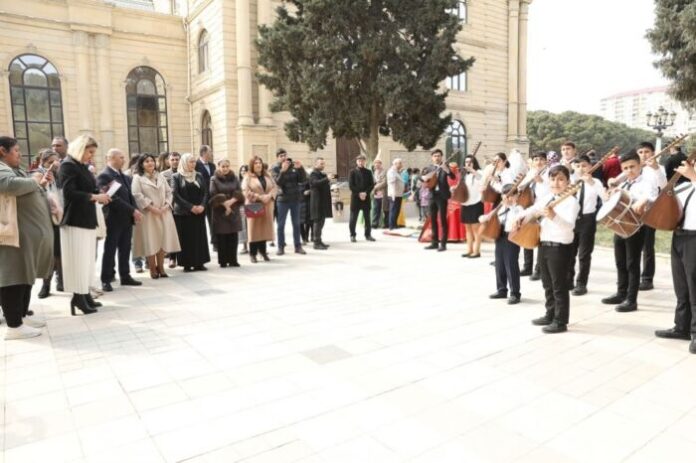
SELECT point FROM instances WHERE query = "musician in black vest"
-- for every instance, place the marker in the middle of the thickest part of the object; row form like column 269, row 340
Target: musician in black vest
column 439, row 195
column 119, row 216
column 361, row 183
column 684, row 263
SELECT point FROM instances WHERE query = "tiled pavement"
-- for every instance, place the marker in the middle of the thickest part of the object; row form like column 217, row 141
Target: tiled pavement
column 370, row 352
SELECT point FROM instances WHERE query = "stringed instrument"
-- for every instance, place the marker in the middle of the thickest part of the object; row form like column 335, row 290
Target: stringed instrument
column 676, row 142
column 461, row 192
column 666, row 212
column 489, row 194
column 527, row 195
column 528, row 236
column 491, row 228
column 430, row 179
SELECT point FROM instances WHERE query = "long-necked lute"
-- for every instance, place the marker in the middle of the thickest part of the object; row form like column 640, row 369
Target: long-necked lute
column 491, row 228
column 666, row 212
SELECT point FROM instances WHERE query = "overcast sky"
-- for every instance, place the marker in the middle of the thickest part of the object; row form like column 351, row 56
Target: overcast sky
column 582, row 51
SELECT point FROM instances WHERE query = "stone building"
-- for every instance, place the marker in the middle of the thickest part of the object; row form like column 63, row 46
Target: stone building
column 169, row 75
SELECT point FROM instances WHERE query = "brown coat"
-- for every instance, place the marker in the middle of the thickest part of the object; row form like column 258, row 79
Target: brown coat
column 260, row 229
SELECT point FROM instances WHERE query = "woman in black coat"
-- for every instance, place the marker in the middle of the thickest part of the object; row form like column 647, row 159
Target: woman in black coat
column 190, row 198
column 320, row 201
column 226, row 201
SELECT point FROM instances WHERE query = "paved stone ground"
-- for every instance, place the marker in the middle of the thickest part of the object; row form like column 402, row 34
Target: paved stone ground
column 370, row 352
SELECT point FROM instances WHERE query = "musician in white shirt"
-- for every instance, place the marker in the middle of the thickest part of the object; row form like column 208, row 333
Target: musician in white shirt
column 684, row 262
column 507, row 253
column 538, row 180
column 568, row 153
column 627, row 251
column 589, row 195
column 472, row 209
column 555, row 249
column 656, row 173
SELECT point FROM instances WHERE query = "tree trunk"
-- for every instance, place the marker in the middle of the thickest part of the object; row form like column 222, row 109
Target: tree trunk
column 370, row 145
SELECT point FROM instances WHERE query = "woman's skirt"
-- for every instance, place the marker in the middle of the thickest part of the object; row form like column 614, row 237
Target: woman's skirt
column 470, row 214
column 193, row 239
column 78, row 258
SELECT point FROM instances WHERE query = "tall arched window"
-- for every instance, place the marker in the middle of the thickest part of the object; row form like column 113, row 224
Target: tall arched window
column 207, row 129
column 456, row 139
column 203, row 51
column 146, row 100
column 37, row 109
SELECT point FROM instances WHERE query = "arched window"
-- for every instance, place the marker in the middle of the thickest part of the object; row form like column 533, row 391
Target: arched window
column 37, row 109
column 460, row 11
column 456, row 139
column 203, row 52
column 146, row 100
column 207, row 129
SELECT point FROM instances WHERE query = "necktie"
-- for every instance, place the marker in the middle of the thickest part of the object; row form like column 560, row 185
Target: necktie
column 582, row 199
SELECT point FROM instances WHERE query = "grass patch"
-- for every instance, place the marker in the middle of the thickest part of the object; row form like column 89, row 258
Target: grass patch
column 663, row 239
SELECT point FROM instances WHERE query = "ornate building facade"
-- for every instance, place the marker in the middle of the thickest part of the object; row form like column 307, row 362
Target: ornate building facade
column 168, row 75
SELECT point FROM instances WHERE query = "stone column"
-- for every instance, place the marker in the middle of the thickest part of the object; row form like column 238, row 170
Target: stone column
column 522, row 67
column 81, row 46
column 513, row 68
column 264, row 16
column 106, row 121
column 243, row 37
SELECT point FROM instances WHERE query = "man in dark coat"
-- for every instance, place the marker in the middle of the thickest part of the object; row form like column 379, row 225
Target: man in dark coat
column 675, row 160
column 119, row 215
column 320, row 201
column 439, row 195
column 289, row 179
column 361, row 183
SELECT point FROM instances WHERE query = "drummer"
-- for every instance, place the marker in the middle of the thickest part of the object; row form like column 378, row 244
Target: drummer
column 538, row 180
column 627, row 251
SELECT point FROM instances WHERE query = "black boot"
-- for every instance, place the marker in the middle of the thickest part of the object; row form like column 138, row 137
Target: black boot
column 59, row 276
column 45, row 289
column 79, row 301
column 91, row 302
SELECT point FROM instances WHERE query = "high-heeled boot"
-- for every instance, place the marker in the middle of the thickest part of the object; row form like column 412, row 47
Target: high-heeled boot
column 45, row 289
column 91, row 302
column 159, row 258
column 59, row 275
column 79, row 301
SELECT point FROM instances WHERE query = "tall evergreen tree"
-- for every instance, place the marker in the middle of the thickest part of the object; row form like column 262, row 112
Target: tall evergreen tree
column 362, row 68
column 673, row 39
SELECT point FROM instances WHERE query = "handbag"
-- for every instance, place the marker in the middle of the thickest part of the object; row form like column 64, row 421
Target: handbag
column 254, row 210
column 9, row 229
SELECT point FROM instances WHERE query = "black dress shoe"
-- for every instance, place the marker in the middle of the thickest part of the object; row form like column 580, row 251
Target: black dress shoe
column 692, row 346
column 474, row 256
column 673, row 333
column 91, row 302
column 526, row 272
column 320, row 247
column 265, row 257
column 280, row 251
column 555, row 327
column 646, row 286
column 253, row 259
column 299, row 250
column 512, row 300
column 235, row 264
column 626, row 306
column 614, row 299
column 535, row 276
column 431, row 246
column 542, row 321
column 128, row 281
column 106, row 287
column 369, row 238
column 498, row 296
column 467, row 255
column 188, row 269
column 579, row 291
column 442, row 248
column 353, row 240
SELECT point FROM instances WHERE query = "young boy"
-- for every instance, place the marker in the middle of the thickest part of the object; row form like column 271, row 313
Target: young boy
column 539, row 183
column 555, row 249
column 507, row 253
column 627, row 250
column 586, row 226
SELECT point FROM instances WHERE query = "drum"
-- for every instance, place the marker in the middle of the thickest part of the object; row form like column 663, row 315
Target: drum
column 617, row 215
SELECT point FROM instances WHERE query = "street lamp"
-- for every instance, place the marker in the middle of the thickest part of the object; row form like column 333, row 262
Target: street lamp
column 659, row 121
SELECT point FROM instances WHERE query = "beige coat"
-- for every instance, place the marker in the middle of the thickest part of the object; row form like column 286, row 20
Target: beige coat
column 155, row 232
column 260, row 229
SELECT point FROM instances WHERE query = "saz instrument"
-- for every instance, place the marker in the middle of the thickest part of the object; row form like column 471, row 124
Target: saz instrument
column 528, row 235
column 527, row 195
column 666, row 212
column 461, row 192
column 489, row 194
column 430, row 179
column 491, row 228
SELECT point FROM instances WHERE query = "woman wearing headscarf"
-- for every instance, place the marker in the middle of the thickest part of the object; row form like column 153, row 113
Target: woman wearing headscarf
column 26, row 252
column 190, row 198
column 259, row 190
column 226, row 201
column 156, row 233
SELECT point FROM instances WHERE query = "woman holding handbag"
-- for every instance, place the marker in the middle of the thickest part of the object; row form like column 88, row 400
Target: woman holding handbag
column 26, row 239
column 259, row 190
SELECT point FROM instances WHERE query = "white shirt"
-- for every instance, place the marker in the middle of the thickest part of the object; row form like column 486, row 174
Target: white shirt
column 657, row 176
column 562, row 228
column 643, row 187
column 473, row 182
column 506, row 177
column 683, row 191
column 591, row 193
column 540, row 189
column 395, row 184
column 508, row 216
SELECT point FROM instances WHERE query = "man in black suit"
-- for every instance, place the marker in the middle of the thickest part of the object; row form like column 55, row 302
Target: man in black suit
column 673, row 161
column 119, row 216
column 361, row 184
column 439, row 195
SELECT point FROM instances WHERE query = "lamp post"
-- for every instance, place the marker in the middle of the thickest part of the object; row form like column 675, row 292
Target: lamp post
column 659, row 121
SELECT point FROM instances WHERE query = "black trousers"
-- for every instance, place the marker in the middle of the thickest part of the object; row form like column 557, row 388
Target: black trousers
column 256, row 247
column 305, row 228
column 627, row 257
column 583, row 245
column 356, row 205
column 507, row 266
column 684, row 280
column 227, row 248
column 553, row 263
column 317, row 227
column 528, row 264
column 648, row 255
column 118, row 238
column 15, row 303
column 438, row 205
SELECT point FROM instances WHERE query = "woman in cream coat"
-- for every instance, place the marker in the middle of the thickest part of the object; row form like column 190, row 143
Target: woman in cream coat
column 156, row 234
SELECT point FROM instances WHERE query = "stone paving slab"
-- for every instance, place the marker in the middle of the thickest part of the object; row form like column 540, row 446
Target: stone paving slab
column 369, row 352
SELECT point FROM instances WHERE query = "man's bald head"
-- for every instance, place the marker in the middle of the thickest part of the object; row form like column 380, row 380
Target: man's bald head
column 115, row 159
